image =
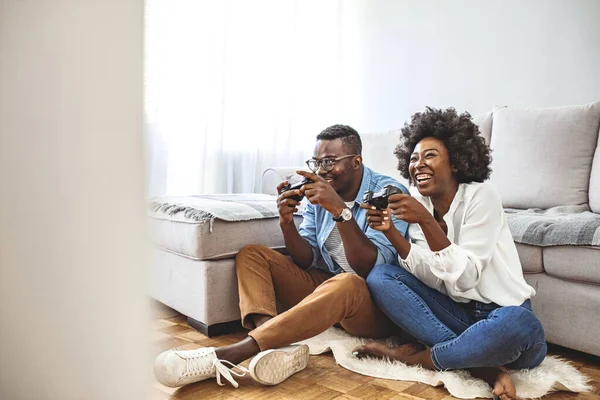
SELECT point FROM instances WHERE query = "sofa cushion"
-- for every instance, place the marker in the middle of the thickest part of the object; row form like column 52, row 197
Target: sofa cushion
column 213, row 227
column 195, row 239
column 573, row 263
column 378, row 153
column 543, row 157
column 531, row 258
column 484, row 123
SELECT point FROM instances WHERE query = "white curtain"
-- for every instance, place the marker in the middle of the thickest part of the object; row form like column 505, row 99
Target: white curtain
column 233, row 87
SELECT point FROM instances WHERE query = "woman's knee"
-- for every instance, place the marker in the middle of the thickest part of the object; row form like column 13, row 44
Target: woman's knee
column 385, row 275
column 522, row 325
column 382, row 274
column 389, row 281
column 527, row 338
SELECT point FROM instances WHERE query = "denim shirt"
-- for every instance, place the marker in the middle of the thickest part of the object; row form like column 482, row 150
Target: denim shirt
column 318, row 224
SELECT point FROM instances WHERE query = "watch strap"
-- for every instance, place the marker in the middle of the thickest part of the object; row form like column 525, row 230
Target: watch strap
column 340, row 218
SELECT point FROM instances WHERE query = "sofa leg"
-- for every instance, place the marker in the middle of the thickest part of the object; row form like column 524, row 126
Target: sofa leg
column 215, row 329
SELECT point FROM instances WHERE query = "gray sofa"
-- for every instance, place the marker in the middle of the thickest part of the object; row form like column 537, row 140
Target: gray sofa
column 546, row 166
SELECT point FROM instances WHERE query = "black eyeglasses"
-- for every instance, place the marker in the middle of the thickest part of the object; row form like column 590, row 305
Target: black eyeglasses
column 326, row 163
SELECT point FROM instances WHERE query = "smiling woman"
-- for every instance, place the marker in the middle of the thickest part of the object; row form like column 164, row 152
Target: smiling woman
column 460, row 283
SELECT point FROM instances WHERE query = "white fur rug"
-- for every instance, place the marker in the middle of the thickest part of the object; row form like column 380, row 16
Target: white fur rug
column 552, row 375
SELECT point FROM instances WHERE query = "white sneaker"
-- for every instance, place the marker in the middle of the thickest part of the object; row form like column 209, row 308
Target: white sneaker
column 176, row 368
column 272, row 367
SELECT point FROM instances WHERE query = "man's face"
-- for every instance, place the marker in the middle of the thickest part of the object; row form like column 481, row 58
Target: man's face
column 342, row 173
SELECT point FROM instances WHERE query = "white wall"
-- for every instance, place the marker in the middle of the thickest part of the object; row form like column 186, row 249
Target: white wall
column 470, row 54
column 72, row 304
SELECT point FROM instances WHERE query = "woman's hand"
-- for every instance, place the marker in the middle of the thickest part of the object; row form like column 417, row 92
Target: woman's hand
column 380, row 220
column 408, row 209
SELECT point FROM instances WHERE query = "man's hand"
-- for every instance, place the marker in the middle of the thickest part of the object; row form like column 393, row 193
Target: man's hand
column 286, row 205
column 380, row 220
column 407, row 208
column 322, row 193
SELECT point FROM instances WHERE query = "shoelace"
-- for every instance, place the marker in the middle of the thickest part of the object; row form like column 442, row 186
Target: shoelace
column 196, row 365
column 223, row 370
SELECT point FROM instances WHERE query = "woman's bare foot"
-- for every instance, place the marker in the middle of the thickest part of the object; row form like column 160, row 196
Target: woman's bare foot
column 380, row 350
column 497, row 378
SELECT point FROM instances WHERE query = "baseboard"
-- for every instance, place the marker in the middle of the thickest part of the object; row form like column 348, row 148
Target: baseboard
column 216, row 329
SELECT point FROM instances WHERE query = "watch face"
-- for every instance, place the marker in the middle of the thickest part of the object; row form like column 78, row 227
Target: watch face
column 346, row 214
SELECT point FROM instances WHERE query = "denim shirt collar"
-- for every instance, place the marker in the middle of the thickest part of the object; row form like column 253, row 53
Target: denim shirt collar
column 364, row 184
column 329, row 223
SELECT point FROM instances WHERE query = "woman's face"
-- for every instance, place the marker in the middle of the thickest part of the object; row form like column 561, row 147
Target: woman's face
column 430, row 168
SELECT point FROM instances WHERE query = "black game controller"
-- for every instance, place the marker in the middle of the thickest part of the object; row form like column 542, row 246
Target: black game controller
column 380, row 199
column 296, row 186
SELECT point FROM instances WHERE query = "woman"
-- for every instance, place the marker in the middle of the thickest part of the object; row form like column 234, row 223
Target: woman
column 461, row 291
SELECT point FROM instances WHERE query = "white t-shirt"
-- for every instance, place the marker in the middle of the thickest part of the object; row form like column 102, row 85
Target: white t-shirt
column 335, row 247
column 482, row 262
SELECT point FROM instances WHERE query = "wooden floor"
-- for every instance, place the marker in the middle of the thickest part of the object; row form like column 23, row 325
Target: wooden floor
column 322, row 379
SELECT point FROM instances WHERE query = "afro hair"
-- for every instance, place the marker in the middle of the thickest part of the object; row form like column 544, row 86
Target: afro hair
column 469, row 154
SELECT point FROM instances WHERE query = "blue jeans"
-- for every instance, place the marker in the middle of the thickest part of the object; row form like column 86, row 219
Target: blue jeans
column 460, row 335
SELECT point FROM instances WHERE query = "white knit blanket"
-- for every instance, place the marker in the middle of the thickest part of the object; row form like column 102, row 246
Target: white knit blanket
column 227, row 207
column 552, row 375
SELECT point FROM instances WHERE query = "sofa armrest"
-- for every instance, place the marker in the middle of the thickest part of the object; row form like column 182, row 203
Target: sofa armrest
column 274, row 176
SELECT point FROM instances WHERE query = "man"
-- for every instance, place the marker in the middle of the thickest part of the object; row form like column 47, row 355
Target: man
column 334, row 229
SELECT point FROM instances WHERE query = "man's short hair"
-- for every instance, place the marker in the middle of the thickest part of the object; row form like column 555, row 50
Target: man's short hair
column 350, row 138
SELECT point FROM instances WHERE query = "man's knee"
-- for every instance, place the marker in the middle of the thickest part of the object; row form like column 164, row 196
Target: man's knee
column 348, row 283
column 250, row 254
column 250, row 250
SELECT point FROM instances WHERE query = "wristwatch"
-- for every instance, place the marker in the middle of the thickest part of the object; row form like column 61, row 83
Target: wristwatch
column 346, row 215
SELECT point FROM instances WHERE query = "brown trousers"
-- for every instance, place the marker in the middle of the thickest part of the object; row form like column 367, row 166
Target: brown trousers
column 318, row 300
